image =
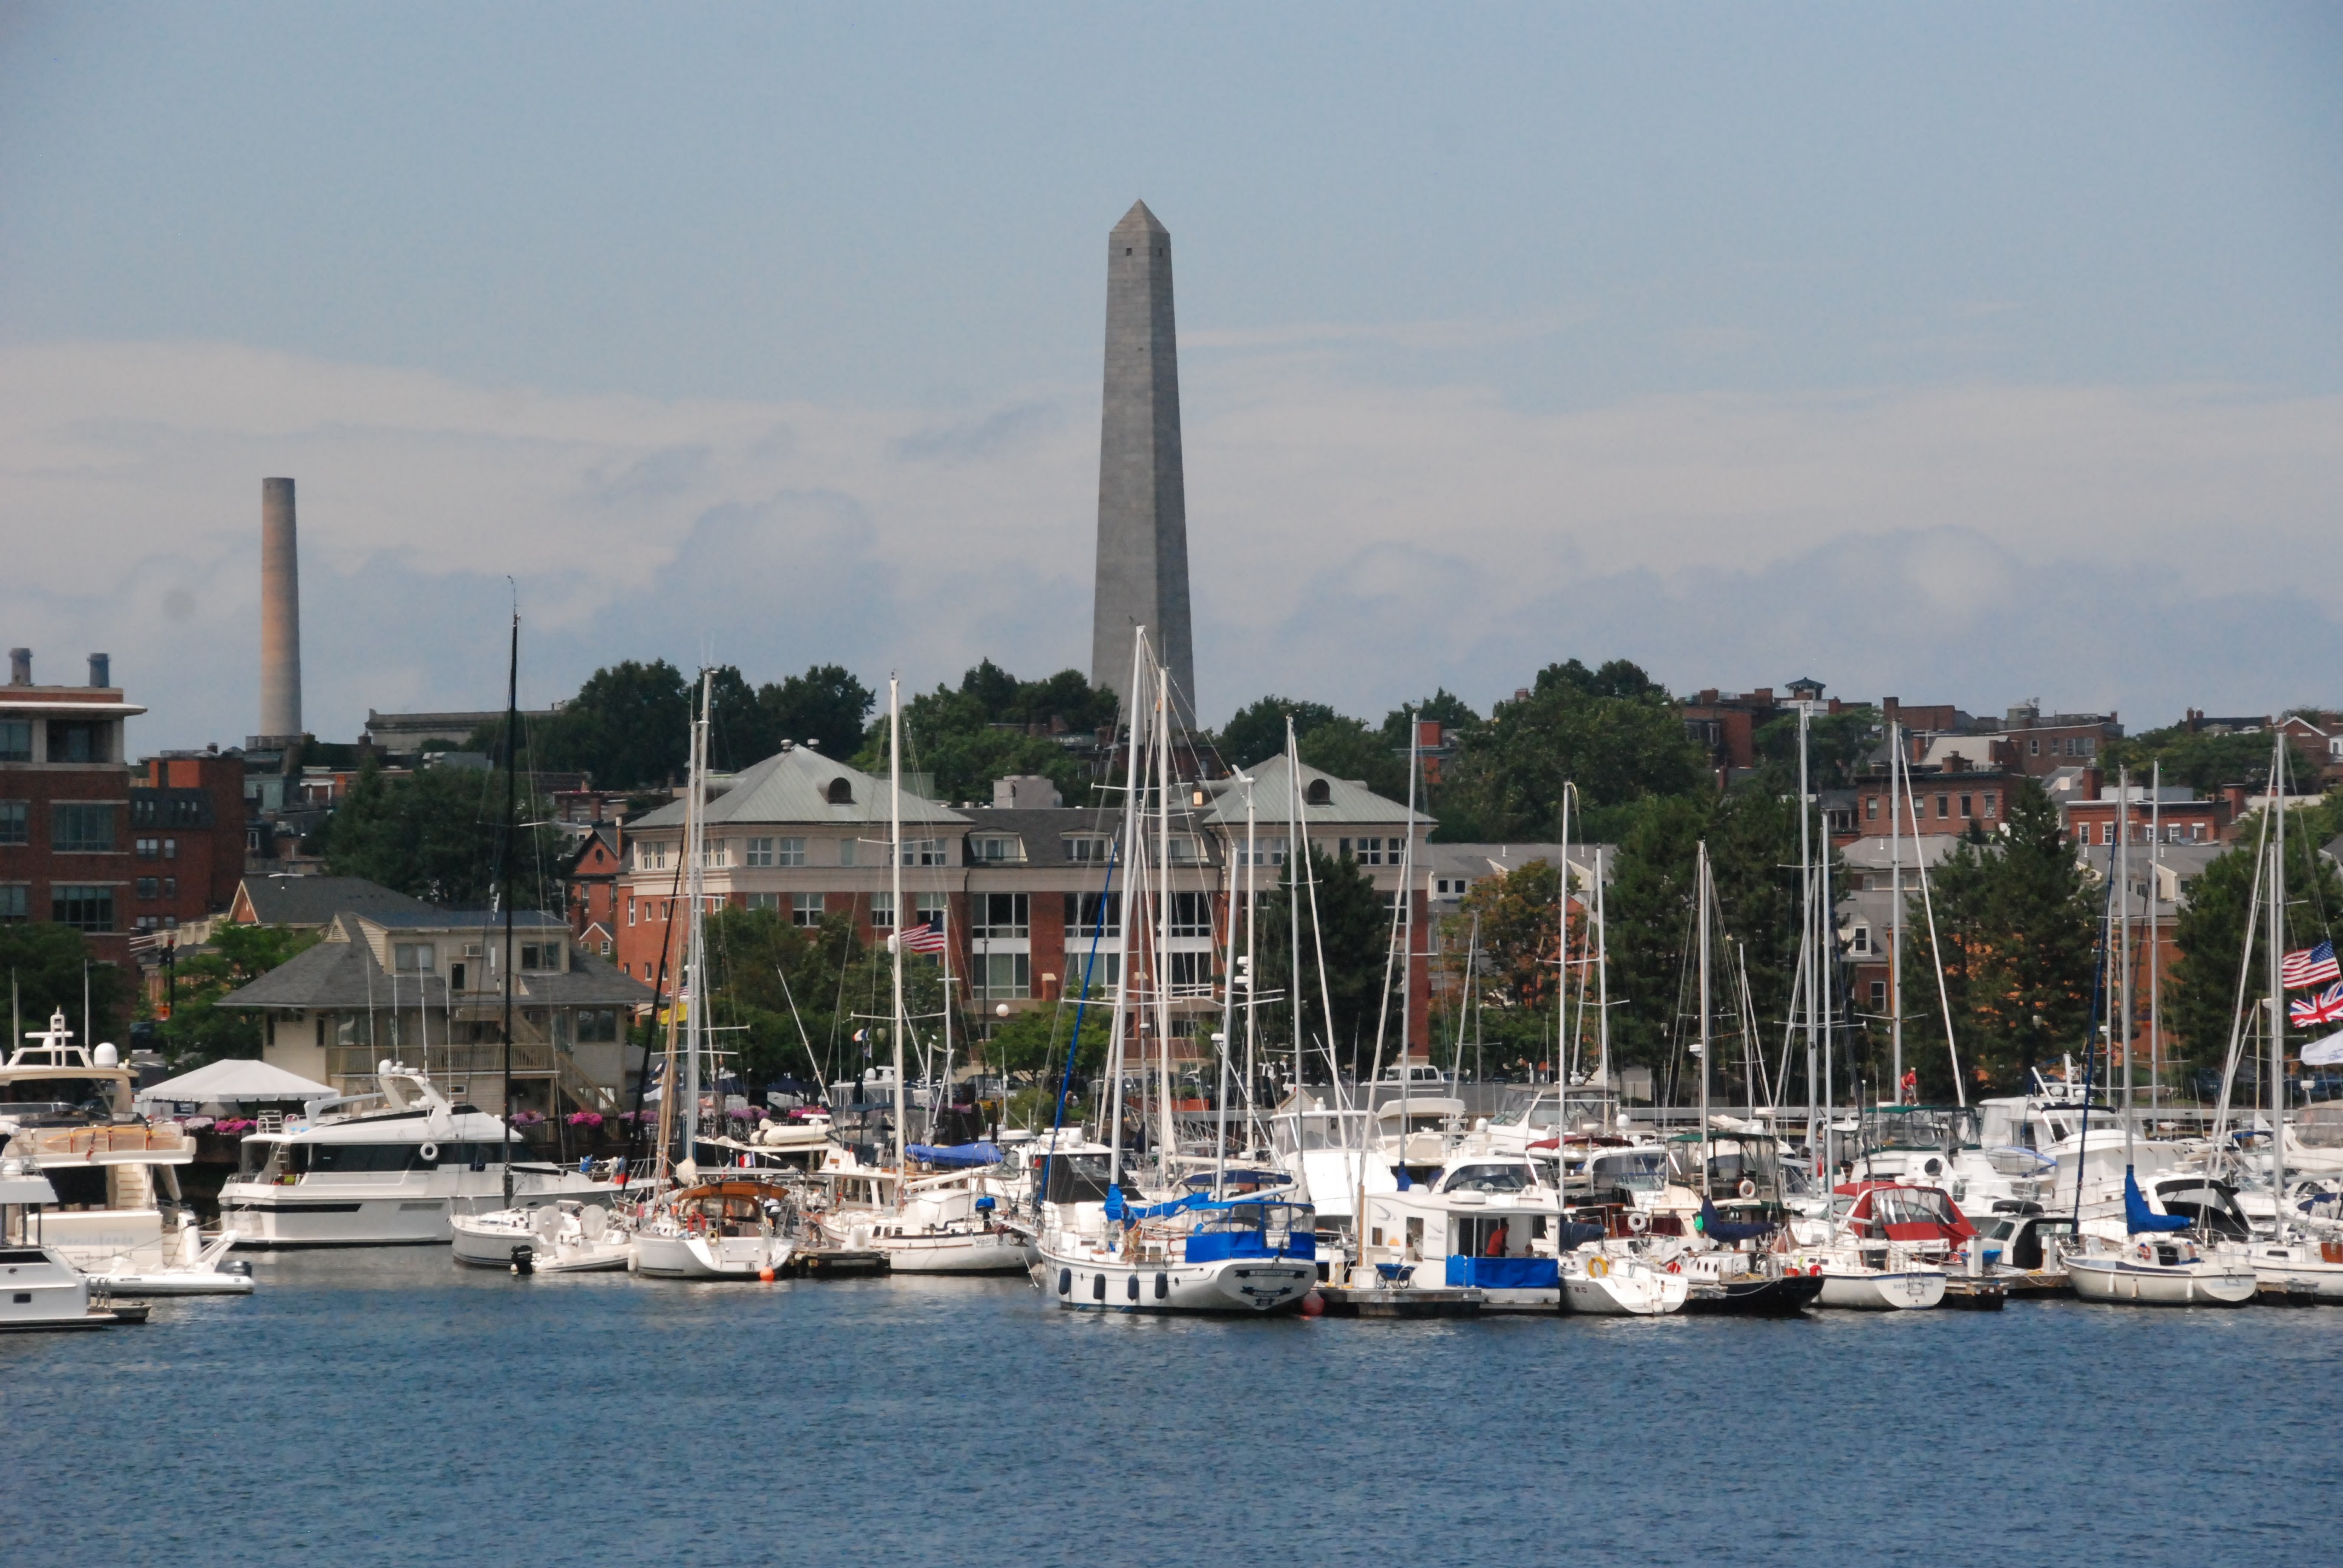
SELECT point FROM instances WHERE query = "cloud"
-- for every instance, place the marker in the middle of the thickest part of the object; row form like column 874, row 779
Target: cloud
column 1357, row 540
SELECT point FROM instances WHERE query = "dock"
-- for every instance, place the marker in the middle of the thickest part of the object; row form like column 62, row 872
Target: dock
column 1429, row 1303
column 1964, row 1295
column 836, row 1262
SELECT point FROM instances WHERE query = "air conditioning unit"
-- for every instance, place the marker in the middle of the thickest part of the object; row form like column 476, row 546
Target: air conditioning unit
column 471, row 950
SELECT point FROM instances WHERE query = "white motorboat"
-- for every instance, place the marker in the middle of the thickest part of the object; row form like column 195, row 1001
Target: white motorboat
column 1876, row 1280
column 1247, row 1255
column 1601, row 1280
column 732, row 1228
column 1484, row 1222
column 386, row 1168
column 39, row 1291
column 566, row 1237
column 2300, row 1265
column 202, row 1269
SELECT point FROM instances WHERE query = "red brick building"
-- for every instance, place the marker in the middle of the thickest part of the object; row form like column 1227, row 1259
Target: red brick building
column 186, row 838
column 65, row 805
column 2040, row 743
column 592, row 881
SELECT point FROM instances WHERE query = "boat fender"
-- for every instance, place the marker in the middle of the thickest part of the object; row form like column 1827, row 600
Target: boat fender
column 1162, row 1287
column 1130, row 1287
column 430, row 1153
column 1675, row 1265
column 1638, row 1222
column 1065, row 1282
column 1097, row 1287
column 1597, row 1267
column 1748, row 1189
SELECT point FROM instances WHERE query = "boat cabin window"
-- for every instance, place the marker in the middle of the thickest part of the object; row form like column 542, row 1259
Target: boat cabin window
column 1911, row 1206
column 1270, row 1217
column 1076, row 1178
column 1488, row 1179
column 1493, row 1235
column 2207, row 1204
column 47, row 1102
column 2034, row 1242
column 1637, row 1169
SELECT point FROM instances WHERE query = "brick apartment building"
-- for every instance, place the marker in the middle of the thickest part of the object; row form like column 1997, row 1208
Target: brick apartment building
column 1957, row 782
column 65, row 805
column 186, row 838
column 2040, row 744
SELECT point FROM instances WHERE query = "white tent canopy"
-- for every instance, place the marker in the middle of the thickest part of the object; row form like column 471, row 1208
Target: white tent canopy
column 233, row 1078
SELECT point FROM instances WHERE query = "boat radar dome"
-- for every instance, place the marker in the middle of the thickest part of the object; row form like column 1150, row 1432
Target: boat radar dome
column 385, row 1065
column 106, row 1055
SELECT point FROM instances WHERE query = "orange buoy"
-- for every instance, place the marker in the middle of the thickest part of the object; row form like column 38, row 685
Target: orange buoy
column 765, row 1273
column 1313, row 1305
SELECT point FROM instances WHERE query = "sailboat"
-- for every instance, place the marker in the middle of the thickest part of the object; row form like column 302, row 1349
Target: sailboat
column 561, row 1237
column 2156, row 1263
column 1196, row 1252
column 944, row 1223
column 737, row 1225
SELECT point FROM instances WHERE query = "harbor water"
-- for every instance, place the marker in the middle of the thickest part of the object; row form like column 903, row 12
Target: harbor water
column 387, row 1407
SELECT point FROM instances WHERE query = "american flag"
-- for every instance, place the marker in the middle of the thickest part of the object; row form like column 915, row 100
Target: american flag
column 2324, row 1007
column 2310, row 966
column 928, row 937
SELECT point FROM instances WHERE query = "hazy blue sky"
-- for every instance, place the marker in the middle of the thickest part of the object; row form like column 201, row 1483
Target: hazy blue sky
column 1968, row 353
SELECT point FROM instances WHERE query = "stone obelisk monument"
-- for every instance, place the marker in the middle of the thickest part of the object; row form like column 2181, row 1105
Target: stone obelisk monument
column 1142, row 522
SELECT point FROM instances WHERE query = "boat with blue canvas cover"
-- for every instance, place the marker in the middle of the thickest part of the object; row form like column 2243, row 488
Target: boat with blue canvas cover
column 1251, row 1255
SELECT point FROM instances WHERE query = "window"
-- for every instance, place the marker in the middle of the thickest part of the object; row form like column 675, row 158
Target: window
column 882, row 910
column 170, row 886
column 925, row 852
column 2033, row 747
column 544, row 958
column 2106, row 832
column 1192, row 915
column 1318, row 793
column 1365, row 852
column 764, row 900
column 2196, row 832
column 147, row 886
column 1943, row 807
column 845, row 851
column 170, row 848
column 15, row 823
column 1862, row 942
column 1966, row 803
column 12, row 901
column 1190, row 972
column 1265, row 852
column 1879, row 994
column 15, row 740
column 841, row 792
column 598, row 1025
column 928, row 908
column 1003, row 915
column 1992, row 804
column 1087, row 850
column 85, row 909
column 630, row 909
column 718, row 852
column 805, row 909
column 1093, row 914
column 606, row 947
column 75, row 829
column 77, row 740
column 788, row 851
column 1871, row 808
column 759, row 853
column 1187, row 849
column 996, row 848
column 1003, row 975
column 414, row 958
column 147, row 849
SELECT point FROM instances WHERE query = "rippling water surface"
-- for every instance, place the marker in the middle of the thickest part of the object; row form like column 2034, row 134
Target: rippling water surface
column 387, row 1407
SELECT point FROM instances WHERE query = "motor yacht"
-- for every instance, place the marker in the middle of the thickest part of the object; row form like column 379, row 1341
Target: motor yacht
column 1485, row 1222
column 388, row 1169
column 39, row 1290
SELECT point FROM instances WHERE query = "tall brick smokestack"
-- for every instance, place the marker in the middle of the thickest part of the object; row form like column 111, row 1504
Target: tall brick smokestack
column 280, row 612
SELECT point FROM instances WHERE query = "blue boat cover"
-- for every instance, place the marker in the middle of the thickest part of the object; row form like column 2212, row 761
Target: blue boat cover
column 1502, row 1273
column 955, row 1154
column 2139, row 1218
column 1125, row 1213
column 1575, row 1235
column 1719, row 1229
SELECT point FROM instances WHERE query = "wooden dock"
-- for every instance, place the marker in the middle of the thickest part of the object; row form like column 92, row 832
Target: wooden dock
column 1344, row 1302
column 1965, row 1295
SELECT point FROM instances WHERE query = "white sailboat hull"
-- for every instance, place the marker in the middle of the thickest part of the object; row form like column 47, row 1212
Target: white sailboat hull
column 1645, row 1294
column 1252, row 1286
column 667, row 1257
column 1881, row 1291
column 2208, row 1282
column 954, row 1252
column 2299, row 1268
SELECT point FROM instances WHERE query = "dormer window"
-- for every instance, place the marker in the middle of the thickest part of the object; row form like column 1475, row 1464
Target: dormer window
column 841, row 792
column 1320, row 793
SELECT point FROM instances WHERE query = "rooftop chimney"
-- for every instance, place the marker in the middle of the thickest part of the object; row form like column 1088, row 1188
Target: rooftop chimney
column 101, row 668
column 20, row 667
column 280, row 612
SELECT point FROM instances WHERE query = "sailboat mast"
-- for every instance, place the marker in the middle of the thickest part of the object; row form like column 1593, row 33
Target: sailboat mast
column 896, row 1023
column 1895, row 913
column 1160, row 971
column 1297, row 857
column 1125, row 932
column 2155, row 958
column 1703, row 890
column 1810, row 950
column 504, row 891
column 1562, row 974
column 2122, row 870
column 2278, row 980
column 1225, row 1040
column 695, row 959
column 1252, row 960
column 1601, row 977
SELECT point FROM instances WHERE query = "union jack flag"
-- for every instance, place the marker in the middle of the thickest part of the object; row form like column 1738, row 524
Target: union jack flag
column 927, row 937
column 2310, row 966
column 2324, row 1007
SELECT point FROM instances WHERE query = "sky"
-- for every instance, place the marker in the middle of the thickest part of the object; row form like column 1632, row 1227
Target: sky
column 1976, row 353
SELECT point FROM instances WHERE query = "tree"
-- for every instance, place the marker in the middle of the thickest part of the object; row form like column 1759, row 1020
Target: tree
column 629, row 725
column 433, row 836
column 759, row 965
column 826, row 708
column 2222, row 915
column 2202, row 759
column 1257, row 732
column 198, row 1030
column 1612, row 732
column 1517, row 972
column 1836, row 744
column 49, row 966
column 1353, row 931
column 993, row 727
column 1348, row 749
column 1443, row 707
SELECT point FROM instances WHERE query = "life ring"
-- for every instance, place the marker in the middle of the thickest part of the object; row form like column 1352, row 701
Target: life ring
column 1748, row 1189
column 430, row 1153
column 1638, row 1222
column 1597, row 1267
column 1675, row 1265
